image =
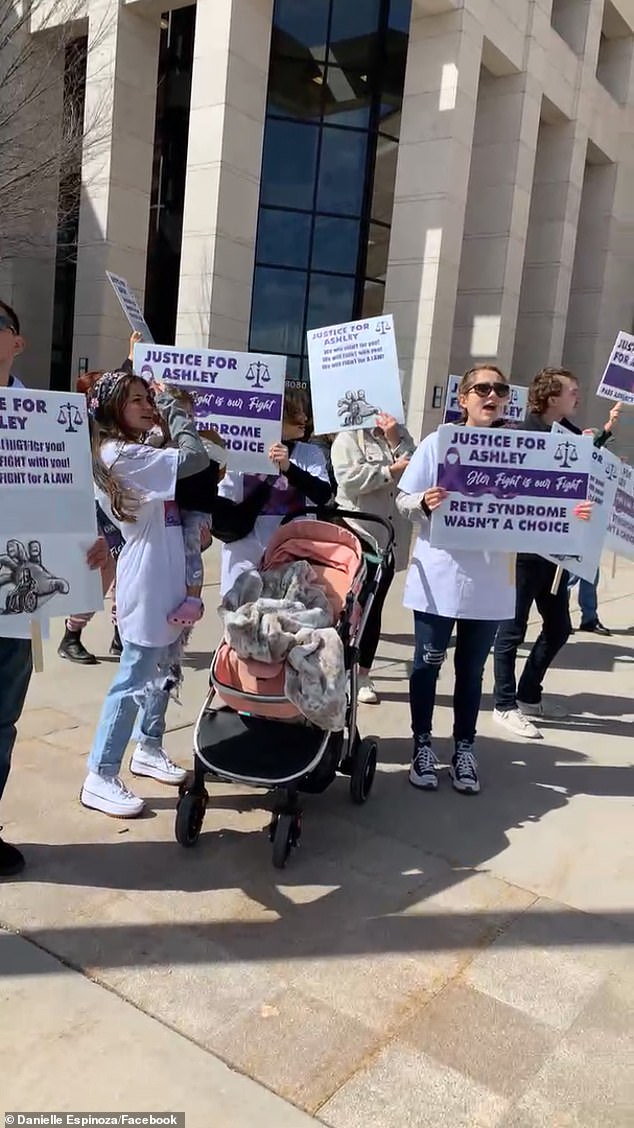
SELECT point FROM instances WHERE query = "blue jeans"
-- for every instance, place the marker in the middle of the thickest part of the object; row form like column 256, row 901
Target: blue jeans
column 474, row 639
column 136, row 689
column 588, row 599
column 15, row 675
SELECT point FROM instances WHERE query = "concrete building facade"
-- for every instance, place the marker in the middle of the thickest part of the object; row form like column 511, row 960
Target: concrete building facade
column 467, row 165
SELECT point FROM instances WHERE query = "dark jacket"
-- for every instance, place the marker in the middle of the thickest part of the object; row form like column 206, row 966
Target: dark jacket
column 534, row 422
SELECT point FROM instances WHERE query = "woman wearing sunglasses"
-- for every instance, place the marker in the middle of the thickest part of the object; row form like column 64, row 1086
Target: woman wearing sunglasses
column 473, row 591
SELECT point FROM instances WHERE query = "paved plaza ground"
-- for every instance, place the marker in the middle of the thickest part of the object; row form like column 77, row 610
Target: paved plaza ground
column 426, row 960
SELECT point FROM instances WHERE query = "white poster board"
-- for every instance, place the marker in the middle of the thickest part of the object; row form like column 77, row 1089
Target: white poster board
column 510, row 491
column 514, row 411
column 47, row 514
column 602, row 484
column 129, row 305
column 354, row 374
column 240, row 394
column 620, row 535
column 617, row 382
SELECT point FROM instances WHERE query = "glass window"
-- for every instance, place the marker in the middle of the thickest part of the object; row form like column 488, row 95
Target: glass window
column 293, row 369
column 378, row 245
column 336, row 244
column 330, row 300
column 301, row 28
column 373, row 299
column 384, row 179
column 284, row 238
column 400, row 15
column 342, row 171
column 277, row 313
column 289, row 164
column 353, row 19
column 347, row 98
column 296, row 89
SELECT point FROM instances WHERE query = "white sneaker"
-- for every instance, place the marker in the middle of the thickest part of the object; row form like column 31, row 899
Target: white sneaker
column 366, row 694
column 423, row 773
column 110, row 795
column 517, row 723
column 154, row 763
column 547, row 710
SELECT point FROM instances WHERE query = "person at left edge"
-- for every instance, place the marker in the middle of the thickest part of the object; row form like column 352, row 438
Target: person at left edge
column 15, row 653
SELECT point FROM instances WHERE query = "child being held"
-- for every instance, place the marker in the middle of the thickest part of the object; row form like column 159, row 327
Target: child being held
column 194, row 523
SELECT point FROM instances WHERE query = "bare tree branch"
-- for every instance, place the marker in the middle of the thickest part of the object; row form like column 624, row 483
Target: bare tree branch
column 43, row 128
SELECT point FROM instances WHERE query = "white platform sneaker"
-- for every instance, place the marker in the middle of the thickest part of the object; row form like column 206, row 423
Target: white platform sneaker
column 110, row 795
column 155, row 764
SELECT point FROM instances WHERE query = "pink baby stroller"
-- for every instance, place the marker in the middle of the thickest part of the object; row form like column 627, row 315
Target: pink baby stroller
column 249, row 732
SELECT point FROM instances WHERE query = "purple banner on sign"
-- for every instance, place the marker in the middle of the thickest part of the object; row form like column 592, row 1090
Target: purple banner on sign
column 620, row 377
column 624, row 503
column 244, row 405
column 475, row 482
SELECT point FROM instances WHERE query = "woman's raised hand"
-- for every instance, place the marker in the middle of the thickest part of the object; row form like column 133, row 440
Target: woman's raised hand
column 390, row 428
column 134, row 340
column 434, row 497
column 278, row 454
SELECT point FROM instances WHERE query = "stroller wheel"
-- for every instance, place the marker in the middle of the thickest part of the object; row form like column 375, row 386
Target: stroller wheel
column 190, row 813
column 285, row 833
column 363, row 770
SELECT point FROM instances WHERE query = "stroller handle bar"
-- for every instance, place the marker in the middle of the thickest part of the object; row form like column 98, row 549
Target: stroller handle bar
column 327, row 512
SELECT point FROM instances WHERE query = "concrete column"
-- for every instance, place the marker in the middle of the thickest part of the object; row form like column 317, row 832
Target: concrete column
column 441, row 87
column 601, row 301
column 123, row 46
column 499, row 193
column 228, row 102
column 550, row 248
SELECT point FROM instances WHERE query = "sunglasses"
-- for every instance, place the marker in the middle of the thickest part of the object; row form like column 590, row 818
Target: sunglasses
column 501, row 390
column 6, row 323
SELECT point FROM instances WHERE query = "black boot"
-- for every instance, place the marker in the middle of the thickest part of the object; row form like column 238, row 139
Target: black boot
column 11, row 860
column 116, row 646
column 72, row 647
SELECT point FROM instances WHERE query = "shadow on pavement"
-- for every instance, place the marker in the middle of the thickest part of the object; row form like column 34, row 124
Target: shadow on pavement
column 377, row 874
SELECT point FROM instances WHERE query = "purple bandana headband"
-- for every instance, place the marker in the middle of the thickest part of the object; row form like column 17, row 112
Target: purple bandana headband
column 104, row 389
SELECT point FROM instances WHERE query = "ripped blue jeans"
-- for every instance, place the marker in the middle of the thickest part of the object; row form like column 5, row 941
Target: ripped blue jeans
column 432, row 634
column 140, row 692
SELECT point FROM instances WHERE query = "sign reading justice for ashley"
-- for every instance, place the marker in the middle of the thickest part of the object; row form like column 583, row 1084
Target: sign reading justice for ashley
column 354, row 374
column 47, row 515
column 510, row 491
column 240, row 394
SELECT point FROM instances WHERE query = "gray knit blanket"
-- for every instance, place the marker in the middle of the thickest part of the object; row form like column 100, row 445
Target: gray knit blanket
column 284, row 616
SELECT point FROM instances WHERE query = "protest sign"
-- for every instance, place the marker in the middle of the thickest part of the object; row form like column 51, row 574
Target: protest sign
column 514, row 411
column 47, row 516
column 240, row 394
column 620, row 535
column 510, row 491
column 354, row 374
column 129, row 305
column 617, row 382
column 602, row 484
